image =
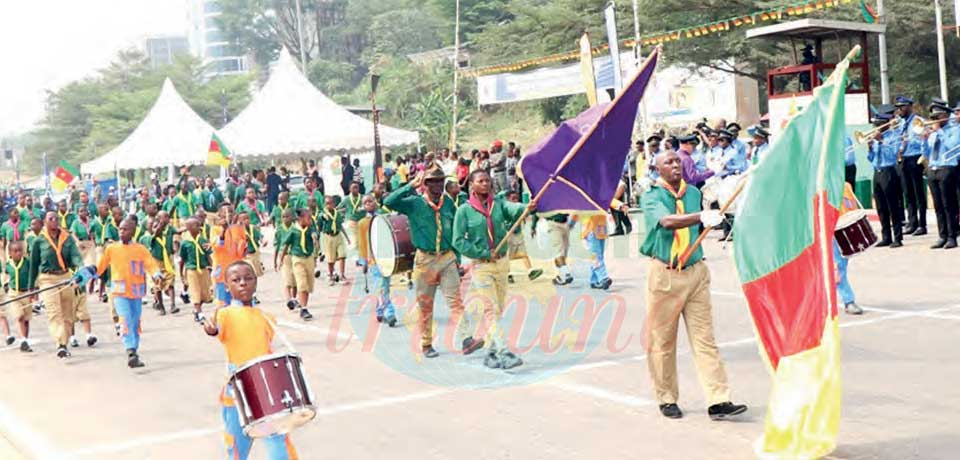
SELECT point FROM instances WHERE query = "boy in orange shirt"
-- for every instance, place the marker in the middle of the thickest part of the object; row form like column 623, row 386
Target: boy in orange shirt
column 246, row 333
column 229, row 244
column 129, row 262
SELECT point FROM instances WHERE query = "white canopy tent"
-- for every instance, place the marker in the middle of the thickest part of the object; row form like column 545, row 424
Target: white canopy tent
column 171, row 134
column 290, row 117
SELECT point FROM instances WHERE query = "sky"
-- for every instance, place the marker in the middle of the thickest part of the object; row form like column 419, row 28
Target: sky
column 45, row 44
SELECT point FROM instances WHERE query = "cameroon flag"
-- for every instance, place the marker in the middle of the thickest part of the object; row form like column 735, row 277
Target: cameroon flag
column 64, row 176
column 218, row 154
column 784, row 257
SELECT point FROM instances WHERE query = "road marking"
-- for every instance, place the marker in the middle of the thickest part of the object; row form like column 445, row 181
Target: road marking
column 25, row 438
column 938, row 316
column 600, row 393
column 306, row 327
column 112, row 448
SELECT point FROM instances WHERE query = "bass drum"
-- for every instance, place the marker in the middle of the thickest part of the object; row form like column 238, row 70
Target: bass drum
column 390, row 243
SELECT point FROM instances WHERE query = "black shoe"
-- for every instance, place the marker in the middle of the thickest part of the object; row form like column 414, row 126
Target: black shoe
column 558, row 281
column 104, row 298
column 198, row 317
column 379, row 317
column 939, row 244
column 133, row 361
column 616, row 233
column 470, row 345
column 508, row 360
column 852, row 309
column 909, row 230
column 535, row 273
column 174, row 310
column 951, row 243
column 920, row 231
column 305, row 314
column 157, row 305
column 292, row 304
column 605, row 284
column 391, row 321
column 491, row 360
column 595, row 286
column 25, row 347
column 185, row 298
column 671, row 411
column 163, row 311
column 62, row 352
column 883, row 243
column 10, row 340
column 510, row 279
column 317, row 273
column 896, row 244
column 429, row 352
column 92, row 340
column 725, row 410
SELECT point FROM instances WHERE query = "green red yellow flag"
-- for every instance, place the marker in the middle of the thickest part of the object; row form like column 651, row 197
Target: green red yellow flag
column 64, row 176
column 218, row 154
column 783, row 253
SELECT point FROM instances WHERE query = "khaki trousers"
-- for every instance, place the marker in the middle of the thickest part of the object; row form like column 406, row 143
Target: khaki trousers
column 60, row 304
column 670, row 295
column 487, row 294
column 429, row 272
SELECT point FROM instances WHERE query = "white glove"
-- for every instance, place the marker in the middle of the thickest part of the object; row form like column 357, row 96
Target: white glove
column 711, row 218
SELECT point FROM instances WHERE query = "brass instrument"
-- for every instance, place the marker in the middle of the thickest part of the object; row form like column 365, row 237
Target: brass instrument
column 918, row 126
column 863, row 137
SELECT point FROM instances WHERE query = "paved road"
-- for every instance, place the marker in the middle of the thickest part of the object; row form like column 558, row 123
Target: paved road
column 377, row 401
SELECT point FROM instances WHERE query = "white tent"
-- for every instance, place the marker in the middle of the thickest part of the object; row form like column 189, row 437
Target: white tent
column 289, row 117
column 171, row 134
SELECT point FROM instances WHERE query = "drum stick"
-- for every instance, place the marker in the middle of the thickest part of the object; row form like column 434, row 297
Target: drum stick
column 686, row 254
column 33, row 293
column 280, row 335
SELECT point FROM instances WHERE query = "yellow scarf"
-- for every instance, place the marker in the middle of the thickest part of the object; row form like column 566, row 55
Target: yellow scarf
column 681, row 236
column 436, row 215
column 58, row 246
column 196, row 249
column 253, row 240
column 16, row 273
column 167, row 264
column 303, row 239
column 332, row 218
column 63, row 220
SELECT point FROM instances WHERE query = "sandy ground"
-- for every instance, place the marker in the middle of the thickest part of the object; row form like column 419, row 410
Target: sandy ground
column 376, row 400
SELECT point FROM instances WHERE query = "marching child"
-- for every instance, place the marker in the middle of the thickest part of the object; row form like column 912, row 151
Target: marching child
column 195, row 265
column 284, row 227
column 334, row 244
column 160, row 243
column 381, row 282
column 517, row 247
column 18, row 277
column 300, row 243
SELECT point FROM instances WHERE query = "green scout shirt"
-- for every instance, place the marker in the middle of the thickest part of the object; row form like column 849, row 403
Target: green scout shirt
column 280, row 235
column 240, row 192
column 471, row 236
column 458, row 200
column 7, row 232
column 211, row 199
column 105, row 231
column 81, row 231
column 276, row 215
column 331, row 223
column 252, row 211
column 39, row 212
column 91, row 208
column 657, row 203
column 253, row 244
column 300, row 200
column 423, row 221
column 353, row 207
column 43, row 257
column 185, row 205
column 191, row 251
column 300, row 242
column 19, row 274
column 168, row 206
column 26, row 215
column 66, row 220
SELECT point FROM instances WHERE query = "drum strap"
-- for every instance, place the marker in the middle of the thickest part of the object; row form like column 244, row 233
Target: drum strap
column 681, row 236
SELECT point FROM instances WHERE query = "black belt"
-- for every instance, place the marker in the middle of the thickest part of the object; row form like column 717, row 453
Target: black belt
column 331, row 234
column 56, row 272
column 433, row 253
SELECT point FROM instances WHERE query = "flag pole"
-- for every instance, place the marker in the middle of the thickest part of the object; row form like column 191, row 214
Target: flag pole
column 706, row 230
column 569, row 157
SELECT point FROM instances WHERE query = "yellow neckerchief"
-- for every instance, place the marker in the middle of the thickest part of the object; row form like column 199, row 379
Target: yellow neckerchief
column 186, row 198
column 161, row 238
column 355, row 203
column 205, row 231
column 251, row 237
column 63, row 219
column 436, row 214
column 103, row 229
column 333, row 218
column 58, row 246
column 303, row 238
column 16, row 273
column 85, row 225
column 196, row 248
column 136, row 234
column 282, row 209
column 681, row 236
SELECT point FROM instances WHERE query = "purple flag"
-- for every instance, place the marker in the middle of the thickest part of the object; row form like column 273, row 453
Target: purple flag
column 587, row 154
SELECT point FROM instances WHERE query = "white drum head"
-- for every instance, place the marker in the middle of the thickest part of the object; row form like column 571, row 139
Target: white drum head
column 382, row 247
column 850, row 218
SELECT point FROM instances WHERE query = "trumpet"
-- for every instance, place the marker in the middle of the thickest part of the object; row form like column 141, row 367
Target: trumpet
column 863, row 137
column 918, row 126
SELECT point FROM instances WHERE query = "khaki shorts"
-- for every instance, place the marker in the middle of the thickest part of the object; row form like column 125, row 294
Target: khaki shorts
column 19, row 310
column 302, row 268
column 199, row 286
column 516, row 247
column 334, row 247
column 88, row 250
column 286, row 272
column 559, row 236
column 255, row 262
column 166, row 279
column 82, row 313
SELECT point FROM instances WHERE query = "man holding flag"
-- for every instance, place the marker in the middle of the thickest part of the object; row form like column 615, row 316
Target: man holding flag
column 675, row 288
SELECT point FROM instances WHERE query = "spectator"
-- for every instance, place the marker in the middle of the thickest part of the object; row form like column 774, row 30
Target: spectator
column 346, row 174
column 358, row 176
column 274, row 186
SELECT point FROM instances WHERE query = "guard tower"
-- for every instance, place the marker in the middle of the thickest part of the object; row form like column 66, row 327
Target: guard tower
column 816, row 45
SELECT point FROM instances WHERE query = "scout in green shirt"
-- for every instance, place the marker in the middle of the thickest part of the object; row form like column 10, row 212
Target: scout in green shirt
column 251, row 206
column 195, row 253
column 283, row 203
column 85, row 202
column 66, row 217
column 104, row 228
column 310, row 191
column 185, row 203
column 300, row 240
column 159, row 241
column 454, row 194
column 211, row 197
column 424, row 213
column 471, row 227
column 663, row 220
column 353, row 204
column 17, row 269
column 36, row 227
column 331, row 219
column 82, row 226
column 18, row 279
column 54, row 252
column 14, row 229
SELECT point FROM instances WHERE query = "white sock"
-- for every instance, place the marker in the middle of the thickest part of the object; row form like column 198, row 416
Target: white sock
column 564, row 271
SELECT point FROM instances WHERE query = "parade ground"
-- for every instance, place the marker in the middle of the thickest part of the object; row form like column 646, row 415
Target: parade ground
column 900, row 397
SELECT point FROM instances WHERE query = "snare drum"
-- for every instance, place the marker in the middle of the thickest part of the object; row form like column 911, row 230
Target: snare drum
column 390, row 243
column 272, row 395
column 854, row 233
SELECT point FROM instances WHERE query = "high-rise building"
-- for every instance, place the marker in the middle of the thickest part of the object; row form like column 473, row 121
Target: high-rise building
column 207, row 41
column 161, row 51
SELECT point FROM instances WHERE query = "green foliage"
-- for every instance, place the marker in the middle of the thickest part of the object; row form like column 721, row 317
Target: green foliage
column 332, row 77
column 433, row 116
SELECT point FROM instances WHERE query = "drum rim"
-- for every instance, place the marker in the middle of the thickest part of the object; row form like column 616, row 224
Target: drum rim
column 385, row 218
column 855, row 216
column 286, row 412
column 263, row 358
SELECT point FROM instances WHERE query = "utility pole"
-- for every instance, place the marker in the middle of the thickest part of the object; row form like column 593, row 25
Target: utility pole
column 303, row 51
column 884, row 73
column 941, row 53
column 456, row 79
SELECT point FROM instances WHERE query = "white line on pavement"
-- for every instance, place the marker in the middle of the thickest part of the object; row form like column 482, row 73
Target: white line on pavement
column 600, row 393
column 306, row 327
column 25, row 438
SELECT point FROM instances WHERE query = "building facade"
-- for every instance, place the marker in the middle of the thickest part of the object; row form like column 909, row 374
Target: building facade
column 209, row 43
column 162, row 51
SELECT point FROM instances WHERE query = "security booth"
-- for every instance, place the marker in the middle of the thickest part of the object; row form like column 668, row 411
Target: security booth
column 814, row 47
